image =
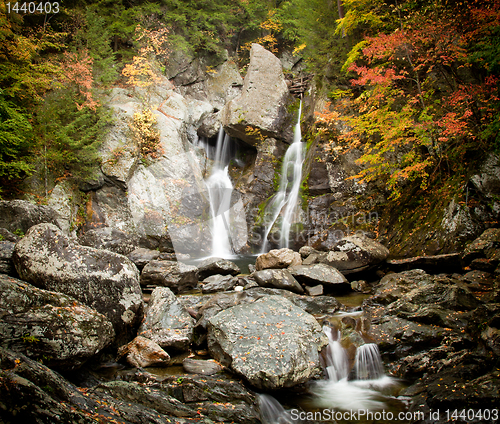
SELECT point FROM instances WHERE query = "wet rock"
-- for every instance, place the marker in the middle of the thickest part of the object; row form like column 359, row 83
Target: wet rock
column 320, row 274
column 50, row 327
column 200, row 366
column 110, row 239
column 167, row 322
column 278, row 258
column 105, row 281
column 177, row 276
column 6, row 252
column 278, row 279
column 218, row 283
column 437, row 264
column 21, row 215
column 262, row 104
column 271, row 342
column 142, row 352
column 32, row 392
column 219, row 397
column 142, row 256
column 212, row 266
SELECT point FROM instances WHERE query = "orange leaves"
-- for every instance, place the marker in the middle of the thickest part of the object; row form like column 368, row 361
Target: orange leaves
column 77, row 70
column 154, row 45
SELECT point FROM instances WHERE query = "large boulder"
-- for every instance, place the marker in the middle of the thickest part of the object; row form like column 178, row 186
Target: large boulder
column 278, row 258
column 20, row 215
column 103, row 280
column 50, row 327
column 177, row 276
column 167, row 322
column 263, row 102
column 270, row 342
column 355, row 253
column 218, row 283
column 323, row 274
column 278, row 279
column 213, row 266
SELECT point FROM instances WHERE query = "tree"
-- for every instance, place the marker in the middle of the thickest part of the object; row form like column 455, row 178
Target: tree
column 425, row 103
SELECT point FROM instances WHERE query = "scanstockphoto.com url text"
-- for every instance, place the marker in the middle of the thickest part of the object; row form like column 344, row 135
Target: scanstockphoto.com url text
column 447, row 415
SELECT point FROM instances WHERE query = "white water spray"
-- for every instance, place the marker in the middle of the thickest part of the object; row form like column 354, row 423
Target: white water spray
column 220, row 189
column 364, row 392
column 285, row 200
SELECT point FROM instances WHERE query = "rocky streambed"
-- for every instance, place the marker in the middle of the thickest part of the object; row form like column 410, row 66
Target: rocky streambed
column 80, row 344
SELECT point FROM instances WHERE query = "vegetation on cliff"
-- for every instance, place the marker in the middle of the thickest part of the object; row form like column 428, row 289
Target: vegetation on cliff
column 415, row 82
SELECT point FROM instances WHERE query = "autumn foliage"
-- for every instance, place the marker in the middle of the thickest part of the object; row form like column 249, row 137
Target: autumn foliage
column 424, row 95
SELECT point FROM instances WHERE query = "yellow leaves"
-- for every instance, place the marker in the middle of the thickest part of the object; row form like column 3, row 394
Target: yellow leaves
column 143, row 126
column 154, row 44
column 298, row 49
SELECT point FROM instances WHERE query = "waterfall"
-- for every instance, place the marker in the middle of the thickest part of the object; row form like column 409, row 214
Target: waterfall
column 285, row 200
column 337, row 362
column 368, row 363
column 271, row 411
column 220, row 190
column 363, row 392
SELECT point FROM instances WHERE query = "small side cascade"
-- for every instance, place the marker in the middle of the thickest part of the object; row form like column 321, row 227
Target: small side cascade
column 272, row 412
column 368, row 362
column 352, row 385
column 285, row 200
column 337, row 362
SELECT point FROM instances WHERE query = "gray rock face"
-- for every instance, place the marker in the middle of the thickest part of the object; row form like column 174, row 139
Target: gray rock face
column 262, row 104
column 212, row 266
column 48, row 326
column 278, row 279
column 278, row 258
column 167, row 322
column 487, row 182
column 270, row 342
column 177, row 276
column 101, row 279
column 20, row 215
column 110, row 239
column 320, row 274
column 142, row 352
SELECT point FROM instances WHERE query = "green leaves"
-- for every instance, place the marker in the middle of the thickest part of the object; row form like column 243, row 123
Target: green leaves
column 15, row 136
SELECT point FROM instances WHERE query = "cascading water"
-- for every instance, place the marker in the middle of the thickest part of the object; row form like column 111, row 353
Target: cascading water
column 285, row 200
column 368, row 363
column 271, row 411
column 360, row 393
column 220, row 190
